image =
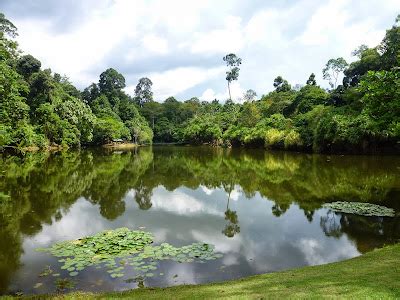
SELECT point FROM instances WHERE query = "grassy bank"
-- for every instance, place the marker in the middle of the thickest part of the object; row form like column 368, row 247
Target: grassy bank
column 373, row 275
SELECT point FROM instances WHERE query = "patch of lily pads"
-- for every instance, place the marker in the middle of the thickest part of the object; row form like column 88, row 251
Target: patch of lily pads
column 121, row 248
column 359, row 208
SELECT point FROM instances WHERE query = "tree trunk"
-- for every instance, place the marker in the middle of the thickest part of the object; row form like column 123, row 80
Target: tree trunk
column 229, row 89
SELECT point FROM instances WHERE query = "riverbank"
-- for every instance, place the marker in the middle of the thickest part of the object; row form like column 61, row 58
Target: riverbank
column 373, row 275
column 120, row 146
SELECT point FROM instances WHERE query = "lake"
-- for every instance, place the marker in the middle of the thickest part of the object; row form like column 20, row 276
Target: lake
column 262, row 210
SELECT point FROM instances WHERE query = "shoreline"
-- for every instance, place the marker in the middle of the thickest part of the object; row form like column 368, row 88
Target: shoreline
column 126, row 146
column 352, row 278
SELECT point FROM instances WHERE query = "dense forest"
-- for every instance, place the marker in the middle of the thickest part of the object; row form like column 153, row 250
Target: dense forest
column 360, row 114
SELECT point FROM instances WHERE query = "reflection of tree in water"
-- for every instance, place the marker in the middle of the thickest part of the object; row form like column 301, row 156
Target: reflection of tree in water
column 368, row 233
column 42, row 187
column 278, row 210
column 143, row 195
column 330, row 225
column 233, row 226
column 231, row 216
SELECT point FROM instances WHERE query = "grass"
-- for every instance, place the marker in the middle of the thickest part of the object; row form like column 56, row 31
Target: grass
column 373, row 275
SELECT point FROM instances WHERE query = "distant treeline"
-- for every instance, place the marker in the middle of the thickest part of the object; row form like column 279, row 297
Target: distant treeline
column 362, row 114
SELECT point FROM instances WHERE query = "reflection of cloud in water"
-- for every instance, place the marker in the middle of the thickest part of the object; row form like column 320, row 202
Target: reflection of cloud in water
column 160, row 235
column 222, row 244
column 79, row 221
column 180, row 203
column 316, row 254
column 230, row 260
column 206, row 190
column 186, row 274
column 236, row 192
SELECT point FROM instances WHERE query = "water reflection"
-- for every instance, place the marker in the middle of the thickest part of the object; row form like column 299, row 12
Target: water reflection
column 262, row 209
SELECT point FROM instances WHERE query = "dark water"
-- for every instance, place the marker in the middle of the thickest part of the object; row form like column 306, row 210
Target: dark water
column 262, row 210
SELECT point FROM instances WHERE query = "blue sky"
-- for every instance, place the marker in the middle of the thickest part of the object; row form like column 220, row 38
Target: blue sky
column 179, row 44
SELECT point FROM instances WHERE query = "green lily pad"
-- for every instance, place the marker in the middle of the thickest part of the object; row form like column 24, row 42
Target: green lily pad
column 116, row 249
column 359, row 208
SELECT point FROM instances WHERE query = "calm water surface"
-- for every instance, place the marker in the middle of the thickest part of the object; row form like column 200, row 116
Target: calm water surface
column 262, row 210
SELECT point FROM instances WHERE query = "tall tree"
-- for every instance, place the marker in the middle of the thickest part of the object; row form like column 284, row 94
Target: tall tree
column 143, row 93
column 233, row 62
column 390, row 47
column 110, row 81
column 281, row 85
column 311, row 80
column 360, row 50
column 250, row 95
column 332, row 70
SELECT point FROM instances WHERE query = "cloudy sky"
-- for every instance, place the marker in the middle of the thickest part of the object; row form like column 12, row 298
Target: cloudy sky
column 179, row 44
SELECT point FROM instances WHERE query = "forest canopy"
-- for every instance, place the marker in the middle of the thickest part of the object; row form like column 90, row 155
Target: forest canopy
column 360, row 114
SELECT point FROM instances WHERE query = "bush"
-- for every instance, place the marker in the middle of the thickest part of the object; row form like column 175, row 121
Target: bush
column 107, row 129
column 274, row 138
column 292, row 140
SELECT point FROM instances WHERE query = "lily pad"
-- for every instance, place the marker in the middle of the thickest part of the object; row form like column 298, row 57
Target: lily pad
column 359, row 208
column 120, row 248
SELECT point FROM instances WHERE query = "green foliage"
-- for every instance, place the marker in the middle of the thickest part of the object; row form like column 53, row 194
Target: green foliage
column 381, row 99
column 143, row 93
column 27, row 65
column 281, row 85
column 307, row 98
column 106, row 129
column 111, row 81
column 203, row 129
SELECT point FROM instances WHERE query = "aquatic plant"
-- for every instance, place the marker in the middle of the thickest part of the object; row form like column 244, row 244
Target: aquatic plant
column 63, row 284
column 116, row 249
column 359, row 208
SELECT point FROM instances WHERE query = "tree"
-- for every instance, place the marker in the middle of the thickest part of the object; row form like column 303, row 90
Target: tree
column 390, row 47
column 151, row 111
column 233, row 62
column 249, row 115
column 8, row 46
column 7, row 27
column 381, row 100
column 311, row 80
column 250, row 95
column 110, row 81
column 281, row 85
column 143, row 93
column 90, row 93
column 369, row 60
column 359, row 51
column 332, row 70
column 27, row 65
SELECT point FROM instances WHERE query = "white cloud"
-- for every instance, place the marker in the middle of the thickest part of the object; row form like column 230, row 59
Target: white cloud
column 172, row 82
column 236, row 92
column 182, row 43
column 225, row 40
column 155, row 44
